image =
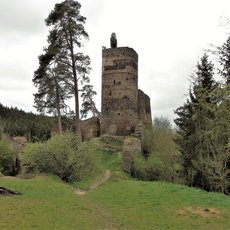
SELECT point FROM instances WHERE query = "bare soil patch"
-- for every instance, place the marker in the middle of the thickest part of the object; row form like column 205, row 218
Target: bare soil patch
column 199, row 211
column 80, row 192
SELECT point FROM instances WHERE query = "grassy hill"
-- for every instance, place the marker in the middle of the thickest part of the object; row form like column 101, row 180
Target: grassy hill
column 119, row 203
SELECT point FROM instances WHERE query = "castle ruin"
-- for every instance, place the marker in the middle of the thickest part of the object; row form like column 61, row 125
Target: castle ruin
column 123, row 106
column 125, row 109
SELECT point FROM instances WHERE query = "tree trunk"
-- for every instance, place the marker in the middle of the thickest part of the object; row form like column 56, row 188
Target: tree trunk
column 58, row 108
column 76, row 96
column 7, row 192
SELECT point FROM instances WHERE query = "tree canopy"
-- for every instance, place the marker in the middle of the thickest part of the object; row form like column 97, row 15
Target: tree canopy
column 203, row 130
column 64, row 69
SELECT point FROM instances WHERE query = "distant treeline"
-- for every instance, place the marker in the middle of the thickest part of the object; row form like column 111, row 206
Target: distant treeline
column 34, row 127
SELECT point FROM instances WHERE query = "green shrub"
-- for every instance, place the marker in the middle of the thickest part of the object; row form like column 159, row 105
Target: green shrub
column 148, row 169
column 6, row 159
column 162, row 160
column 34, row 157
column 63, row 155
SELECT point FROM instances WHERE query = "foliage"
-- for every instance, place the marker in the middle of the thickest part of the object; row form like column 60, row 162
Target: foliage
column 33, row 155
column 162, row 161
column 63, row 155
column 15, row 122
column 224, row 57
column 88, row 104
column 105, row 152
column 218, row 167
column 67, row 24
column 52, row 80
column 6, row 159
column 194, row 119
column 152, row 168
column 203, row 129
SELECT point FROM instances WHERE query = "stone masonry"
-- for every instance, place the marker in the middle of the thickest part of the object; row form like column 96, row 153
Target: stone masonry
column 90, row 128
column 124, row 107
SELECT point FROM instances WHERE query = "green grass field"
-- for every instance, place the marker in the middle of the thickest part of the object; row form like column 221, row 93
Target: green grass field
column 119, row 203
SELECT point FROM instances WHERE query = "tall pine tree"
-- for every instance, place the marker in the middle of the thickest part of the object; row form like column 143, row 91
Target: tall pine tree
column 52, row 80
column 68, row 23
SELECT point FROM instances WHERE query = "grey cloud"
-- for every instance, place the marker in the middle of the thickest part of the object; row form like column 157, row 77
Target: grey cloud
column 7, row 85
column 22, row 22
column 23, row 16
column 18, row 99
column 11, row 72
column 166, row 89
column 93, row 10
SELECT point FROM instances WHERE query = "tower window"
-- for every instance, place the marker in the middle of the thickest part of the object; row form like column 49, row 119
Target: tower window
column 114, row 82
column 110, row 93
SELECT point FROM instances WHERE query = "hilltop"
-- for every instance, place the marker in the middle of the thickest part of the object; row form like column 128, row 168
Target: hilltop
column 120, row 202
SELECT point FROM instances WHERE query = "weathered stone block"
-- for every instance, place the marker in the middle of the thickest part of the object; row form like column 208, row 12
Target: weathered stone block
column 90, row 128
column 131, row 147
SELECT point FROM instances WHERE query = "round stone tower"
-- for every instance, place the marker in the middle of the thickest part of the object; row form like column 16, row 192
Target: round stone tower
column 119, row 91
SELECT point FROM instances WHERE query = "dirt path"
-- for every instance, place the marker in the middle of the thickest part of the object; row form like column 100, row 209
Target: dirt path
column 108, row 220
column 104, row 177
column 80, row 192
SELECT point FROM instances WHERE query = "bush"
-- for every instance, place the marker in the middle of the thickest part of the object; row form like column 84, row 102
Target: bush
column 6, row 159
column 151, row 168
column 162, row 159
column 63, row 155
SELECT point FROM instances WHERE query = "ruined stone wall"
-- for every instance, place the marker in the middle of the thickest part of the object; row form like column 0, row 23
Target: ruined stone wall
column 144, row 108
column 90, row 128
column 131, row 148
column 119, row 91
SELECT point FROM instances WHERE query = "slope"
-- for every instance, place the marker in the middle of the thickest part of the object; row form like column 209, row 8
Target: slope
column 118, row 203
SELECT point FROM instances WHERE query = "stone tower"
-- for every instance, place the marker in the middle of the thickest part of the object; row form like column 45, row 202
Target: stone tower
column 123, row 105
column 119, row 91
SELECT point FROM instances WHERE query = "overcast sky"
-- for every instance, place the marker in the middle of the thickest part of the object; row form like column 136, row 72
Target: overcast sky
column 168, row 35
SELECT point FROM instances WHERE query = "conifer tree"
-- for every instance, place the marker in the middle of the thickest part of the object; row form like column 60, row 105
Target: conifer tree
column 88, row 104
column 223, row 118
column 218, row 166
column 185, row 131
column 195, row 121
column 52, row 80
column 224, row 60
column 68, row 23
